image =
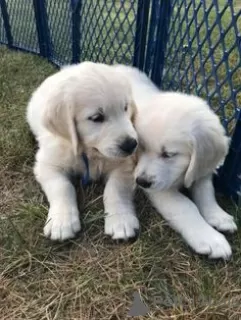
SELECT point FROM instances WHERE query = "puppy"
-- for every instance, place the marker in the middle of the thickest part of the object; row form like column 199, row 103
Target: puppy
column 82, row 119
column 181, row 142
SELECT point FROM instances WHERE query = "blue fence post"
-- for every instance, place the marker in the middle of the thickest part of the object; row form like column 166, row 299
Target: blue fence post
column 142, row 20
column 76, row 8
column 6, row 22
column 151, row 36
column 44, row 38
column 161, row 40
column 229, row 176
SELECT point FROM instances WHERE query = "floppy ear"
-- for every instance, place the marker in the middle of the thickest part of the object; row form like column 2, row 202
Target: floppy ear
column 133, row 112
column 59, row 119
column 209, row 146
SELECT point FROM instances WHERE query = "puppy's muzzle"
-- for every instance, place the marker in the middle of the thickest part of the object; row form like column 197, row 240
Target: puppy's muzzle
column 142, row 182
column 128, row 146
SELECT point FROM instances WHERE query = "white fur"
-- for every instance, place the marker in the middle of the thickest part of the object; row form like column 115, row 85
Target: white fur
column 60, row 114
column 181, row 144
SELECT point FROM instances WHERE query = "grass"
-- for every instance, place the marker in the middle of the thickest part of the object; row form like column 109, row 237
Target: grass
column 92, row 277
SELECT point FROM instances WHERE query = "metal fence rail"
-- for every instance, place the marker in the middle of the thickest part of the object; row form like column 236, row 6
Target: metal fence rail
column 188, row 45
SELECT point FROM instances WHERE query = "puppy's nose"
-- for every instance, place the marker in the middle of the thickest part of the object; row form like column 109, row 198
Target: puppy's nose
column 128, row 145
column 143, row 182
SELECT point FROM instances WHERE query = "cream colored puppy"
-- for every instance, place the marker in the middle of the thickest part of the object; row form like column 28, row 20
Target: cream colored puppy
column 85, row 111
column 182, row 142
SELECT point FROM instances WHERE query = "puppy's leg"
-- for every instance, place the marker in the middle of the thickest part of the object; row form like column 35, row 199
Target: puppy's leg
column 63, row 217
column 183, row 216
column 120, row 221
column 204, row 196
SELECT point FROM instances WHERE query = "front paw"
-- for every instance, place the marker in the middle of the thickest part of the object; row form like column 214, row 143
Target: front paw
column 62, row 223
column 209, row 242
column 222, row 221
column 121, row 226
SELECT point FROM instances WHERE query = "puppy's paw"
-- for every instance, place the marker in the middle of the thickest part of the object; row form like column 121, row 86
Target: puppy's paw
column 222, row 221
column 121, row 226
column 62, row 223
column 210, row 242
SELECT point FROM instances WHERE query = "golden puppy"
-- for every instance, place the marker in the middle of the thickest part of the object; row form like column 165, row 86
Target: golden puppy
column 182, row 142
column 82, row 119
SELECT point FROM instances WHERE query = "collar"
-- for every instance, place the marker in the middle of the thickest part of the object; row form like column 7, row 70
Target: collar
column 85, row 179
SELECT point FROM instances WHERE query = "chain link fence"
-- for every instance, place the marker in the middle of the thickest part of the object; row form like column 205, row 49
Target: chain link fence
column 188, row 45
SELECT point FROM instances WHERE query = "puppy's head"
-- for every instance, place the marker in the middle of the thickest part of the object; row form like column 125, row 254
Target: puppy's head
column 91, row 105
column 181, row 140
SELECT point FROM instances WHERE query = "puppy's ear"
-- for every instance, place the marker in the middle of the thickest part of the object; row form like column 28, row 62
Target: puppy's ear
column 209, row 146
column 133, row 111
column 59, row 119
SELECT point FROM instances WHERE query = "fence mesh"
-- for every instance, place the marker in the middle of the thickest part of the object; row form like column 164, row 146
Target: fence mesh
column 2, row 31
column 203, row 42
column 108, row 31
column 188, row 45
column 22, row 24
column 59, row 29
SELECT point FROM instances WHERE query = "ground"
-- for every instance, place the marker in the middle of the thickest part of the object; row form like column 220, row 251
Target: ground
column 92, row 277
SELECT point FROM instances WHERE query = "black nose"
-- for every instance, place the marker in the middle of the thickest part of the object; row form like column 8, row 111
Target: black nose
column 128, row 145
column 143, row 182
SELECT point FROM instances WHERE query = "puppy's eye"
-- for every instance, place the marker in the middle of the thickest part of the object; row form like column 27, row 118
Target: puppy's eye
column 99, row 117
column 126, row 107
column 168, row 155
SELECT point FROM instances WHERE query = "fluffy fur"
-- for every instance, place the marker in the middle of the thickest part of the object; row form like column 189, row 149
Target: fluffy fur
column 181, row 144
column 85, row 108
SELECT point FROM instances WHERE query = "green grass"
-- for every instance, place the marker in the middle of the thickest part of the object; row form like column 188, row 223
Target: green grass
column 91, row 277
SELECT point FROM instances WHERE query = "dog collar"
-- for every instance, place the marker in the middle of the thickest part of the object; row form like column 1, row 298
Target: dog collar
column 85, row 179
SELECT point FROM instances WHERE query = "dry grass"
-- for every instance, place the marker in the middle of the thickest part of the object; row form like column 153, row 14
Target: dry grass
column 91, row 277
